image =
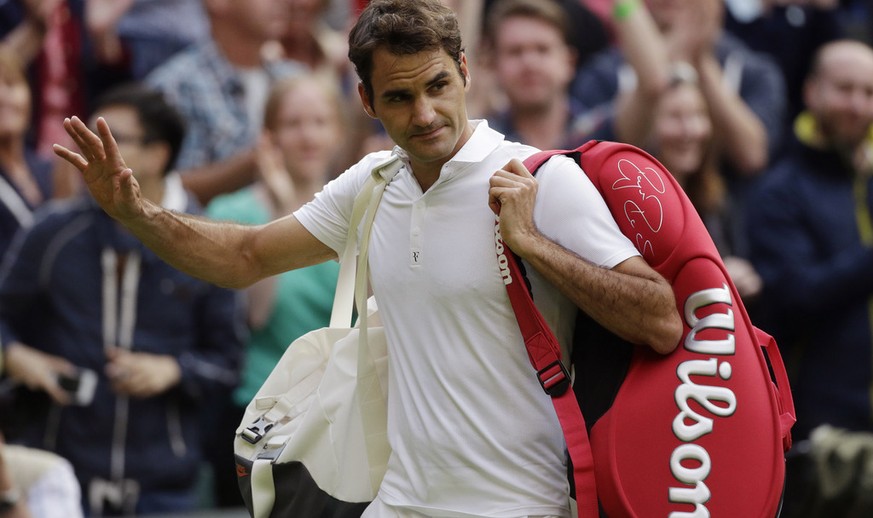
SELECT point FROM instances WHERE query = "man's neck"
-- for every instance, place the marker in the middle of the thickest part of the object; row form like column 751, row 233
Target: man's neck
column 542, row 126
column 11, row 151
column 427, row 173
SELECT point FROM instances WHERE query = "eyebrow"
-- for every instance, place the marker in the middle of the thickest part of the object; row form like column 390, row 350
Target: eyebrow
column 442, row 75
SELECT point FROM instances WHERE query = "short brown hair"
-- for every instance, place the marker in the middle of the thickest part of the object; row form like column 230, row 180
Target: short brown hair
column 403, row 27
column 547, row 11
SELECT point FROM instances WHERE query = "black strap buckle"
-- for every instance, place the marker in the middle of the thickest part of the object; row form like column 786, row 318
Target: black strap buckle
column 257, row 430
column 554, row 378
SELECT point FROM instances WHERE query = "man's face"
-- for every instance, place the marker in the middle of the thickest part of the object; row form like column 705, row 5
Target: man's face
column 682, row 129
column 420, row 100
column 261, row 19
column 307, row 131
column 533, row 64
column 14, row 109
column 841, row 96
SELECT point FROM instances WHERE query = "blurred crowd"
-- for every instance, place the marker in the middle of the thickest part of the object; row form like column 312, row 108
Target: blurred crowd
column 123, row 380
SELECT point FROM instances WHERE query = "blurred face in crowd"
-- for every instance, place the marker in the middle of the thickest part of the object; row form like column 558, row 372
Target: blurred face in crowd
column 420, row 100
column 307, row 130
column 533, row 64
column 304, row 14
column 14, row 106
column 840, row 93
column 258, row 19
column 682, row 129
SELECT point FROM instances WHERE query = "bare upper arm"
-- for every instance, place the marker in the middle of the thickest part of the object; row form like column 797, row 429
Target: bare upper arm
column 638, row 267
column 285, row 244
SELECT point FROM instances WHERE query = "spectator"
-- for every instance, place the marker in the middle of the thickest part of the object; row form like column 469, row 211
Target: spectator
column 812, row 241
column 789, row 31
column 744, row 90
column 219, row 86
column 142, row 34
column 302, row 128
column 683, row 140
column 810, row 230
column 588, row 35
column 25, row 177
column 80, row 296
column 534, row 64
column 309, row 40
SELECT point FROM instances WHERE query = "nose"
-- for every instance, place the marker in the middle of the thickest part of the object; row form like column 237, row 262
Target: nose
column 423, row 113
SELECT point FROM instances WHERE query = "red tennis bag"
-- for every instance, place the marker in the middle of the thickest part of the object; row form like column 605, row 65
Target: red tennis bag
column 701, row 431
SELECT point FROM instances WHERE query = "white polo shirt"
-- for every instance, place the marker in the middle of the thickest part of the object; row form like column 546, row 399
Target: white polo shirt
column 471, row 430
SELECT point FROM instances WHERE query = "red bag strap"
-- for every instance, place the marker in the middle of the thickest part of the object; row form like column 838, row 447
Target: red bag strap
column 544, row 353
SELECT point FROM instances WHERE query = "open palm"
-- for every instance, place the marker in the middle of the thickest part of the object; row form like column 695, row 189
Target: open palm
column 107, row 177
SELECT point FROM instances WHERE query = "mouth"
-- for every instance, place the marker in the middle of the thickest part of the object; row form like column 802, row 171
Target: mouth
column 428, row 134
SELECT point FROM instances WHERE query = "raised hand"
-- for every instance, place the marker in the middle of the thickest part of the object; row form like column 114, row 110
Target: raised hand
column 275, row 177
column 109, row 180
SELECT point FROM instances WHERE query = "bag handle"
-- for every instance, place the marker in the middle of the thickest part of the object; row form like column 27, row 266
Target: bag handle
column 353, row 281
column 784, row 401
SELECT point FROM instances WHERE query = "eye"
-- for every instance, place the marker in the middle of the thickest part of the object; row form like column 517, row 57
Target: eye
column 396, row 98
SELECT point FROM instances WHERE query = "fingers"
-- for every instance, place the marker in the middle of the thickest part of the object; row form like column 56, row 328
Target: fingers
column 58, row 395
column 88, row 143
column 108, row 143
column 517, row 167
column 73, row 158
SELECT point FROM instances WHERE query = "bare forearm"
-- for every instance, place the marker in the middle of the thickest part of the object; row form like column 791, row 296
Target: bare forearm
column 640, row 309
column 206, row 249
column 646, row 52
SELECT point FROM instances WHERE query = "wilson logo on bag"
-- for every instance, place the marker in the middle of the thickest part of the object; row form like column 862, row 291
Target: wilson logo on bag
column 703, row 430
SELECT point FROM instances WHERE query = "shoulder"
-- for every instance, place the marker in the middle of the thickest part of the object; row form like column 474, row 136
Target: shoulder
column 357, row 174
column 59, row 211
column 60, row 221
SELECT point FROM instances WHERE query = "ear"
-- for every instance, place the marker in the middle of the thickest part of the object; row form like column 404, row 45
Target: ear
column 366, row 101
column 465, row 72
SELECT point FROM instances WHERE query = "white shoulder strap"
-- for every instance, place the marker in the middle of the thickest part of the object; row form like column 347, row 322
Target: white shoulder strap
column 382, row 173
